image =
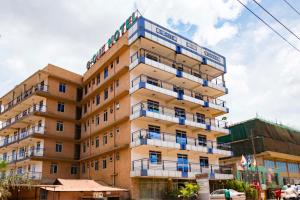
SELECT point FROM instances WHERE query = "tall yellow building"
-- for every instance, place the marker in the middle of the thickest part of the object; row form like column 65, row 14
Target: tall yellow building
column 150, row 99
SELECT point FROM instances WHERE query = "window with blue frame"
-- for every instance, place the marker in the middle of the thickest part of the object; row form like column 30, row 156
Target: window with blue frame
column 200, row 118
column 204, row 162
column 105, row 72
column 155, row 157
column 269, row 164
column 152, row 81
column 182, row 162
column 153, row 106
column 154, row 132
column 202, row 140
column 181, row 137
column 179, row 112
column 281, row 166
column 293, row 167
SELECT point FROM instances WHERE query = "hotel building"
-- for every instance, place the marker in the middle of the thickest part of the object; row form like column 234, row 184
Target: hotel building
column 148, row 120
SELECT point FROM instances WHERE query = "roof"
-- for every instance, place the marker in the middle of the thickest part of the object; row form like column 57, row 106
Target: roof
column 79, row 185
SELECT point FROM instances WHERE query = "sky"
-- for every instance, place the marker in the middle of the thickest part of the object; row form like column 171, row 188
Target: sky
column 263, row 72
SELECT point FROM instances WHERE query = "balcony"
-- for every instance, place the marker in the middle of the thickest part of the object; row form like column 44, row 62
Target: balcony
column 22, row 136
column 32, row 175
column 171, row 116
column 22, row 155
column 146, row 85
column 28, row 93
column 169, row 140
column 27, row 112
column 166, row 169
column 178, row 73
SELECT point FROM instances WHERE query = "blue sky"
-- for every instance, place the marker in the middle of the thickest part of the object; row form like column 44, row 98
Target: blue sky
column 263, row 71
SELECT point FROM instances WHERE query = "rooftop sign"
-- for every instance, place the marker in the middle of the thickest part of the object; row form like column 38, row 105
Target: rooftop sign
column 113, row 39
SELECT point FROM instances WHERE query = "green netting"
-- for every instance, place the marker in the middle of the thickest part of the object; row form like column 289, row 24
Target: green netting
column 267, row 136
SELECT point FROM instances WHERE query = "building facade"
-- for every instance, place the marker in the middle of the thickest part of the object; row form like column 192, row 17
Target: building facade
column 39, row 125
column 276, row 148
column 146, row 122
column 150, row 104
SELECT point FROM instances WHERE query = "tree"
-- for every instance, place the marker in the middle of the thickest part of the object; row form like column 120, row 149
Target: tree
column 12, row 182
column 188, row 191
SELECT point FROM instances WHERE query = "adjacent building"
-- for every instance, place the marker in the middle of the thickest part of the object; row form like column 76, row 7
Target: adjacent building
column 276, row 148
column 143, row 117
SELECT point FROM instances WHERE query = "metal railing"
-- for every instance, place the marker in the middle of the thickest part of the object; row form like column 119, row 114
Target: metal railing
column 23, row 155
column 171, row 112
column 36, row 88
column 146, row 164
column 33, row 175
column 172, row 87
column 177, row 65
column 169, row 137
column 28, row 111
column 22, row 135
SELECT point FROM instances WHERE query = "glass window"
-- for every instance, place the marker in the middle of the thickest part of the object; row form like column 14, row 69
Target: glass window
column 96, row 165
column 98, row 79
column 202, row 140
column 200, row 118
column 154, row 132
column 105, row 93
column 105, row 115
column 281, row 166
column 58, row 147
column 204, row 162
column 155, row 157
column 60, row 107
column 104, row 164
column 179, row 112
column 293, row 167
column 73, row 169
column 97, row 142
column 59, row 126
column 152, row 81
column 104, row 139
column 62, row 87
column 269, row 164
column 105, row 73
column 53, row 168
column 97, row 119
column 98, row 99
column 153, row 106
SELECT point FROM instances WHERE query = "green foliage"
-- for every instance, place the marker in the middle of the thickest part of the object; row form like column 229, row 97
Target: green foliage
column 189, row 190
column 241, row 186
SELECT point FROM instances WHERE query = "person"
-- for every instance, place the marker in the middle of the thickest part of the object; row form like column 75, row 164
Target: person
column 227, row 194
column 290, row 192
column 278, row 194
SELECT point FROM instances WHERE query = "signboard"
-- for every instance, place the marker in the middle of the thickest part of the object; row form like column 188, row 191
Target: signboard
column 113, row 39
column 98, row 195
column 203, row 182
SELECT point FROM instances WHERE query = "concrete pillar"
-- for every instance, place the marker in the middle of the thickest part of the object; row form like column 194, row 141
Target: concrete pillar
column 203, row 182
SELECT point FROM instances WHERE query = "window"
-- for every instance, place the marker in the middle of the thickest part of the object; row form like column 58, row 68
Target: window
column 59, row 126
column 73, row 169
column 97, row 119
column 155, row 157
column 152, row 81
column 111, row 65
column 281, row 166
column 154, row 132
column 53, row 168
column 293, row 167
column 200, row 118
column 179, row 112
column 58, row 147
column 110, row 159
column 105, row 93
column 97, row 141
column 83, row 168
column 117, row 83
column 98, row 79
column 85, row 89
column 105, row 115
column 62, row 87
column 96, row 165
column 111, row 87
column 43, row 194
column 98, row 99
column 105, row 73
column 117, row 60
column 153, row 106
column 60, row 107
column 204, row 162
column 117, row 105
column 104, row 139
column 104, row 164
column 117, row 156
column 202, row 140
column 269, row 164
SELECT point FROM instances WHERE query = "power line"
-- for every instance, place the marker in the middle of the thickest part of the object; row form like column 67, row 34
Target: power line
column 292, row 7
column 269, row 26
column 276, row 19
